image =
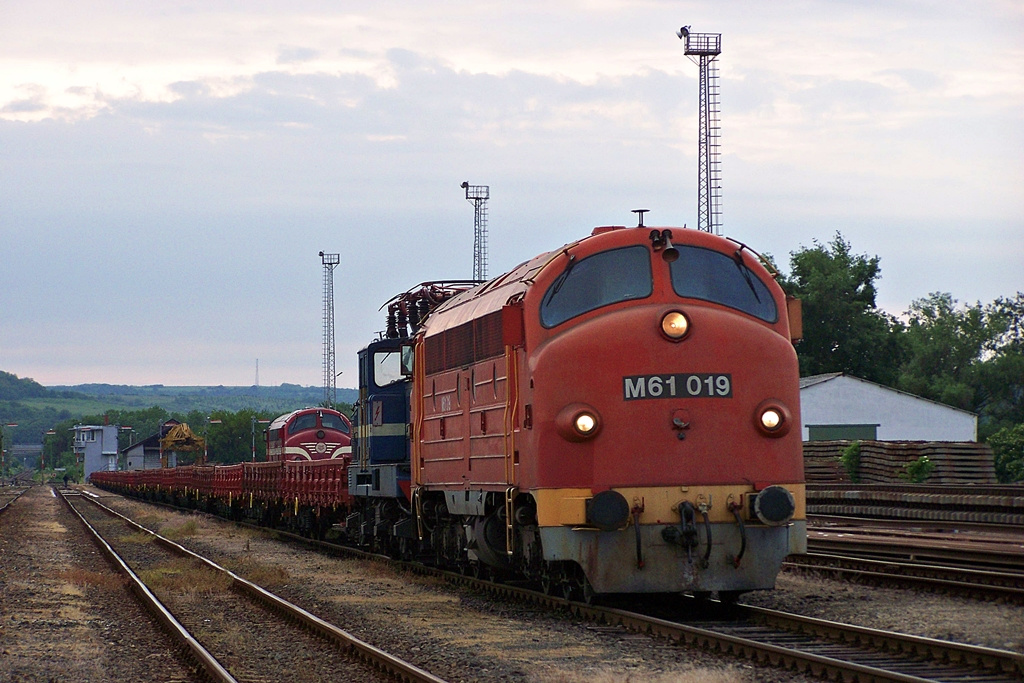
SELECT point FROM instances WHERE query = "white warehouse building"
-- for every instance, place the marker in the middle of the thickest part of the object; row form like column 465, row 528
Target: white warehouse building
column 840, row 407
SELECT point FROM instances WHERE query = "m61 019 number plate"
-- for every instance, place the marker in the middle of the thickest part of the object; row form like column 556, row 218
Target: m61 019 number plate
column 680, row 385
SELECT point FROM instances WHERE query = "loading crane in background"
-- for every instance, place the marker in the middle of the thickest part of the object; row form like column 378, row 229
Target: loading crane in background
column 181, row 439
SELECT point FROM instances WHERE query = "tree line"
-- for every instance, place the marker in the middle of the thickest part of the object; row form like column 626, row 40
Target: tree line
column 969, row 356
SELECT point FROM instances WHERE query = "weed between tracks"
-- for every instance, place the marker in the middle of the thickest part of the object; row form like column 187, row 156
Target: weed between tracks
column 176, row 533
column 729, row 675
column 263, row 575
column 185, row 577
column 137, row 537
column 84, row 577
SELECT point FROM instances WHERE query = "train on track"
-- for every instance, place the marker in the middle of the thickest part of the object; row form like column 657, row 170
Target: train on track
column 620, row 415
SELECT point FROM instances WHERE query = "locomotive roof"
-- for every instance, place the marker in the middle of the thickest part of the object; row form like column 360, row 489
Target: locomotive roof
column 282, row 420
column 488, row 297
column 492, row 295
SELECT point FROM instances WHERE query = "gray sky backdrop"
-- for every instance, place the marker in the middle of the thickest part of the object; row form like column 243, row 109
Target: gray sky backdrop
column 170, row 170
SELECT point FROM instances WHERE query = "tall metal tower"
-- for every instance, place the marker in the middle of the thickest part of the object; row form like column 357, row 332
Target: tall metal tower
column 478, row 195
column 330, row 261
column 703, row 49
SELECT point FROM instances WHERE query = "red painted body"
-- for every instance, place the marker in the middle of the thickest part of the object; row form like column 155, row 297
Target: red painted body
column 585, row 360
column 310, row 434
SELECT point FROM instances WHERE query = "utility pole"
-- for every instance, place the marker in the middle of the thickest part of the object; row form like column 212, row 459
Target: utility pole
column 330, row 262
column 703, row 50
column 478, row 196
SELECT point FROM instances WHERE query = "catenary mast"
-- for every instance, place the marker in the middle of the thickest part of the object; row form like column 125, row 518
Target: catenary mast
column 478, row 196
column 703, row 50
column 330, row 262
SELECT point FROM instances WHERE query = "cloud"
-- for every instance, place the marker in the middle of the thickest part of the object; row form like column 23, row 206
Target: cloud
column 183, row 169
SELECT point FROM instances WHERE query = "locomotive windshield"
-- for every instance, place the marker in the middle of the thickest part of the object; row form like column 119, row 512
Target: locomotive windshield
column 596, row 281
column 307, row 421
column 387, row 367
column 710, row 275
column 330, row 421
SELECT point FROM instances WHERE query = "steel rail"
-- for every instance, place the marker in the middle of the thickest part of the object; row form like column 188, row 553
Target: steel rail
column 6, row 505
column 1008, row 586
column 1001, row 665
column 817, row 521
column 899, row 650
column 918, row 550
column 209, row 665
column 371, row 654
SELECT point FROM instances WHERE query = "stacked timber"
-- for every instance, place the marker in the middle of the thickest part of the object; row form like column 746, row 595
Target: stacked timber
column 955, row 462
column 821, row 462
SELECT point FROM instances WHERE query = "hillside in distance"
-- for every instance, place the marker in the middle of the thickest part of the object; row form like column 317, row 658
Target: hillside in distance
column 29, row 410
column 182, row 399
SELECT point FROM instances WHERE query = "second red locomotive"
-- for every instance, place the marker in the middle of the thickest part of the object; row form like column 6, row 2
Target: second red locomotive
column 309, row 434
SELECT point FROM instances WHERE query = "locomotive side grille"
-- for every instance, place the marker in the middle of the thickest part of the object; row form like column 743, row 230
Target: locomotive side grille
column 487, row 336
column 466, row 344
column 435, row 353
column 458, row 346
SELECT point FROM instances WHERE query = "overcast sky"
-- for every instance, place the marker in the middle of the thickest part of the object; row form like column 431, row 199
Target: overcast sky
column 170, row 170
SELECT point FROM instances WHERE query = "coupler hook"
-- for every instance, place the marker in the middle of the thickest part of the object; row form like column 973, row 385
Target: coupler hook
column 707, row 528
column 638, row 507
column 689, row 539
column 735, row 507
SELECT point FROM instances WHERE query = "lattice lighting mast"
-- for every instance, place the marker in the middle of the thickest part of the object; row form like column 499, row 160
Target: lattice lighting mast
column 703, row 49
column 478, row 196
column 330, row 262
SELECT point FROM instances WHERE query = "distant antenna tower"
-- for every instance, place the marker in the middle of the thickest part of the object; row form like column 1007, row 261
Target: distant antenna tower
column 330, row 261
column 702, row 49
column 478, row 195
column 257, row 385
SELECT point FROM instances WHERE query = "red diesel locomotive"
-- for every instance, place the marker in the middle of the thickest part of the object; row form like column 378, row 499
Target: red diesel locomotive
column 620, row 415
column 617, row 416
column 309, row 434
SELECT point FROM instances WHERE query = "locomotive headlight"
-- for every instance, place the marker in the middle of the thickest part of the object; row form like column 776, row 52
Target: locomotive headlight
column 578, row 422
column 772, row 418
column 585, row 423
column 675, row 325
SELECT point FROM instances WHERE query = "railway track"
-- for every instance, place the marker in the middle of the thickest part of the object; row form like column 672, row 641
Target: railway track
column 816, row 647
column 8, row 496
column 985, row 505
column 1003, row 554
column 251, row 633
column 977, row 583
column 811, row 646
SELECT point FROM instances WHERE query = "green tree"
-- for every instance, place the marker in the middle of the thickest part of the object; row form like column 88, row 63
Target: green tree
column 1000, row 377
column 945, row 343
column 968, row 356
column 844, row 330
column 1008, row 448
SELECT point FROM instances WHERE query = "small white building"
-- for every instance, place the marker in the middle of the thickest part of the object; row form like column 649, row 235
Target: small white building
column 840, row 407
column 95, row 446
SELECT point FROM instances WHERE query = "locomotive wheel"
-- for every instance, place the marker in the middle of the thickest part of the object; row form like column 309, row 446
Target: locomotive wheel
column 576, row 587
column 551, row 580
